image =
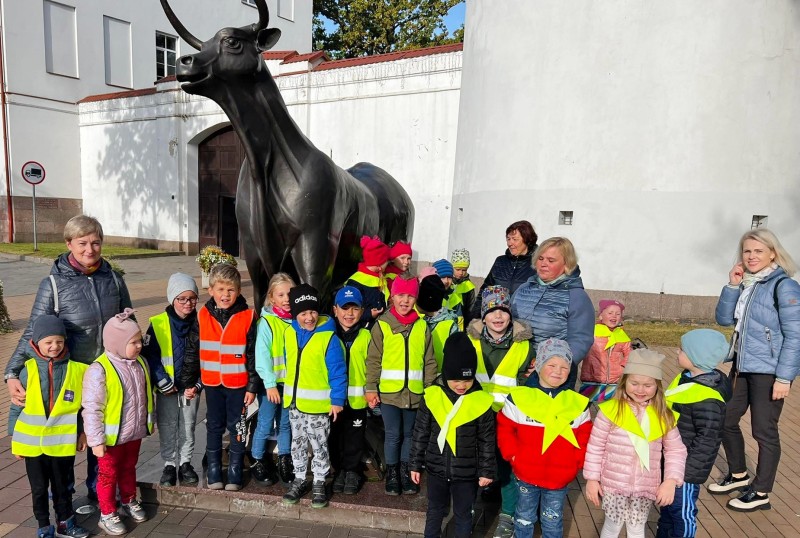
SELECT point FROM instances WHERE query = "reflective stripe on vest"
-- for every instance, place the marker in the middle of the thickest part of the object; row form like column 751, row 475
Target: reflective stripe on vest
column 357, row 370
column 278, row 327
column 35, row 433
column 306, row 386
column 163, row 334
column 449, row 418
column 505, row 376
column 439, row 337
column 688, row 393
column 222, row 349
column 115, row 397
column 371, row 281
column 403, row 361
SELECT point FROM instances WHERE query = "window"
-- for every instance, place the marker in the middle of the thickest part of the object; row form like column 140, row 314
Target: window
column 166, row 52
column 118, row 52
column 250, row 2
column 565, row 218
column 758, row 221
column 60, row 39
column 286, row 9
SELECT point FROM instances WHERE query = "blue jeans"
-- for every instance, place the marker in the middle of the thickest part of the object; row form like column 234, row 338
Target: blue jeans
column 223, row 410
column 399, row 426
column 680, row 518
column 268, row 414
column 539, row 504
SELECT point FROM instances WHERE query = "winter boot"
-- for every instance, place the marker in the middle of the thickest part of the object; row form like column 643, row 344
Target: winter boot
column 186, row 475
column 392, row 480
column 409, row 487
column 338, row 481
column 169, row 476
column 264, row 471
column 319, row 498
column 214, row 476
column 298, row 488
column 286, row 468
column 352, row 483
column 235, row 463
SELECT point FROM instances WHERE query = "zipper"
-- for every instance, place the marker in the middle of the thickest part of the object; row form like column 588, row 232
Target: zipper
column 608, row 365
column 408, row 361
column 769, row 341
column 743, row 332
column 99, row 313
column 297, row 376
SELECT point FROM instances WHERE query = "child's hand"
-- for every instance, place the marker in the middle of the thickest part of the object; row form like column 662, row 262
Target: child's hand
column 19, row 457
column 189, row 393
column 375, row 312
column 483, row 482
column 335, row 410
column 736, row 275
column 273, row 395
column 99, row 451
column 81, row 444
column 249, row 397
column 666, row 493
column 415, row 477
column 372, row 399
column 594, row 491
column 16, row 391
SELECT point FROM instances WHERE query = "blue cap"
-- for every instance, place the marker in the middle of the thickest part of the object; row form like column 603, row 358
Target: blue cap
column 348, row 295
column 443, row 268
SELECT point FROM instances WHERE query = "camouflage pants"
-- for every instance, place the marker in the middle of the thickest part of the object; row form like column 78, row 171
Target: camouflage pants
column 314, row 429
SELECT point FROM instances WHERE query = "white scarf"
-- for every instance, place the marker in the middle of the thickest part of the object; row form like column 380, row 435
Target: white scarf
column 748, row 281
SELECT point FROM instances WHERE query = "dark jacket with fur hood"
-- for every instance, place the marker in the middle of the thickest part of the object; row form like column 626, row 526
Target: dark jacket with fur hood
column 493, row 354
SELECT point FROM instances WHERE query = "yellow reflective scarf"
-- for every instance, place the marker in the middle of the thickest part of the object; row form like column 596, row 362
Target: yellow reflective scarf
column 641, row 433
column 556, row 414
column 617, row 336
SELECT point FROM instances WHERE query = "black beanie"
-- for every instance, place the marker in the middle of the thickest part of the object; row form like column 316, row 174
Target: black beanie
column 431, row 294
column 303, row 297
column 45, row 326
column 460, row 359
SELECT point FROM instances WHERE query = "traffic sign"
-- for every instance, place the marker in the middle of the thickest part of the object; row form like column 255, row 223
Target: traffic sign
column 33, row 172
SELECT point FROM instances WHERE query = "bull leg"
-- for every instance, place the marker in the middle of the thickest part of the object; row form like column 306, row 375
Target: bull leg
column 313, row 256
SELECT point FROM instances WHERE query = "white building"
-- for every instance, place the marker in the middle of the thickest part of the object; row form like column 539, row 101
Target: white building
column 55, row 53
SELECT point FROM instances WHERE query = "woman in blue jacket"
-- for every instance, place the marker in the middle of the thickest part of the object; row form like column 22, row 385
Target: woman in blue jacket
column 762, row 302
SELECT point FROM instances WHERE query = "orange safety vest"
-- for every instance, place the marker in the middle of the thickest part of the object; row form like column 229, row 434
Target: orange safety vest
column 222, row 350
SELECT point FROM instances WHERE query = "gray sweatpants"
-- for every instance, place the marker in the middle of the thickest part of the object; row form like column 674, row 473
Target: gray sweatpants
column 314, row 429
column 176, row 428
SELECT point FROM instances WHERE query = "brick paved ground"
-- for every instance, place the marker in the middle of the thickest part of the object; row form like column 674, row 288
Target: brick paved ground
column 147, row 282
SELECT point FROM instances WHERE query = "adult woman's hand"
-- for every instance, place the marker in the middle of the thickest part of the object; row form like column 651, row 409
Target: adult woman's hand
column 736, row 275
column 16, row 391
column 780, row 390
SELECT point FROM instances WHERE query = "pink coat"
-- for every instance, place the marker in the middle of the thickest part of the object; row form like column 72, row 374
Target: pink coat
column 603, row 365
column 134, row 404
column 611, row 459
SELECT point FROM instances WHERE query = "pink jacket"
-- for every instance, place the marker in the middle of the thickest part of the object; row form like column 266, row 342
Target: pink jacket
column 134, row 404
column 603, row 365
column 611, row 459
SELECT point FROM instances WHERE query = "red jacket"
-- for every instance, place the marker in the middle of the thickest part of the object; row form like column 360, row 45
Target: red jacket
column 521, row 438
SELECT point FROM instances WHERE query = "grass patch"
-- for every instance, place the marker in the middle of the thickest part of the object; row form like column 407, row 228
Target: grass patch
column 667, row 333
column 52, row 250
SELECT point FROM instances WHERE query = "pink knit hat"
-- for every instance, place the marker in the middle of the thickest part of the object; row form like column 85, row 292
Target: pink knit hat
column 401, row 285
column 605, row 303
column 118, row 331
column 375, row 252
column 399, row 248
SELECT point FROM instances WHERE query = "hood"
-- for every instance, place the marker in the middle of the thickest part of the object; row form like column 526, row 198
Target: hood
column 442, row 315
column 528, row 256
column 522, row 331
column 714, row 379
column 324, row 323
column 569, row 282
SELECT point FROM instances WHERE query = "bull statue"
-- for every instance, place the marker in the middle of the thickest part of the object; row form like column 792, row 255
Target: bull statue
column 298, row 212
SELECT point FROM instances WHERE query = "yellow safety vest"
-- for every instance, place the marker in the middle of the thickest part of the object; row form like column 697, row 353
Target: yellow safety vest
column 403, row 362
column 505, row 376
column 115, row 396
column 357, row 370
column 555, row 414
column 371, row 281
column 278, row 328
column 307, row 386
column 454, row 302
column 449, row 417
column 35, row 433
column 688, row 393
column 464, row 287
column 163, row 334
column 439, row 336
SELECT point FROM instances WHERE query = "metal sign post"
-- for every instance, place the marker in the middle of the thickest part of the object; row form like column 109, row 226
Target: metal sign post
column 33, row 173
column 35, row 243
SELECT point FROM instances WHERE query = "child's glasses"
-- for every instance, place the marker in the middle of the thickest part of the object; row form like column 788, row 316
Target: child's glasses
column 184, row 300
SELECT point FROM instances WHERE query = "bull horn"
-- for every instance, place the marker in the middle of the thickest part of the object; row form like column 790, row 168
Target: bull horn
column 263, row 15
column 180, row 28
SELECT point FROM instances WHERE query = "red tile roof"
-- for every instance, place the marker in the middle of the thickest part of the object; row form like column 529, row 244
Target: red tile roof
column 117, row 95
column 389, row 57
column 309, row 57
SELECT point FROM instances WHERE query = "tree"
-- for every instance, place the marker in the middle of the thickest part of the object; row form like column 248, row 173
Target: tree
column 363, row 27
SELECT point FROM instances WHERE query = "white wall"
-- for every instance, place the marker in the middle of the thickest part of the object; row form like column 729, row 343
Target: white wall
column 664, row 126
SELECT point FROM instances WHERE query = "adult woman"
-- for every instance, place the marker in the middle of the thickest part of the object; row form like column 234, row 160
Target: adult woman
column 554, row 302
column 763, row 304
column 84, row 292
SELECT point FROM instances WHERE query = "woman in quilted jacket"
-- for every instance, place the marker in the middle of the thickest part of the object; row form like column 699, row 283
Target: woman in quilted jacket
column 623, row 458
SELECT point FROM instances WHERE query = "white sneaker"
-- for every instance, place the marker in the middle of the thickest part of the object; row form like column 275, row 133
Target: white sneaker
column 134, row 511
column 112, row 524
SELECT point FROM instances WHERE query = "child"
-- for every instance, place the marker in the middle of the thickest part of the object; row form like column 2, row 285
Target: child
column 53, row 385
column 370, row 280
column 117, row 415
column 221, row 353
column 462, row 285
column 399, row 260
column 697, row 397
column 454, row 439
column 316, row 387
column 452, row 300
column 442, row 322
column 623, row 459
column 602, row 368
column 399, row 365
column 164, row 348
column 542, row 432
column 275, row 317
column 348, row 432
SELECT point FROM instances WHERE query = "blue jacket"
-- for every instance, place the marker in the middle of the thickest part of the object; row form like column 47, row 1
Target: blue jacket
column 557, row 310
column 769, row 343
column 334, row 357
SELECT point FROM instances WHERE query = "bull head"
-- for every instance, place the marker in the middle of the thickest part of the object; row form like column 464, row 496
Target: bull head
column 232, row 54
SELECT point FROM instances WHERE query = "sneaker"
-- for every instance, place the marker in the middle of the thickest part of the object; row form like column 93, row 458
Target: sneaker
column 70, row 529
column 750, row 501
column 298, row 488
column 187, row 475
column 505, row 527
column 134, row 511
column 169, row 477
column 319, row 499
column 45, row 532
column 728, row 484
column 112, row 524
column 338, row 482
column 352, row 483
column 264, row 473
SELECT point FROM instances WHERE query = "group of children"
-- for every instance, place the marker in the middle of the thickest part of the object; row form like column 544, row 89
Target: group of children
column 454, row 394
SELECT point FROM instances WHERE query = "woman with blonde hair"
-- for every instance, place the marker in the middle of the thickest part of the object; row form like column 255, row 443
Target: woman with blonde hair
column 762, row 302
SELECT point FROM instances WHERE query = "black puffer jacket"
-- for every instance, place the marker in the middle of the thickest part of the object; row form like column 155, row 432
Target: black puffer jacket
column 475, row 444
column 85, row 303
column 700, row 425
column 508, row 271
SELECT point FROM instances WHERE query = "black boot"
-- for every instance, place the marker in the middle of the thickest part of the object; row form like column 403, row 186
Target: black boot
column 409, row 487
column 338, row 481
column 392, row 480
column 298, row 488
column 214, row 476
column 319, row 498
column 235, row 462
column 169, row 476
column 286, row 468
column 352, row 483
column 186, row 475
column 264, row 471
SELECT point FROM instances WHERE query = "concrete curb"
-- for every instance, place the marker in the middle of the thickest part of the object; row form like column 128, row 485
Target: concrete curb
column 48, row 261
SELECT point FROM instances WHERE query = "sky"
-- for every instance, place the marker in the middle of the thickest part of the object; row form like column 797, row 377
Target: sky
column 455, row 17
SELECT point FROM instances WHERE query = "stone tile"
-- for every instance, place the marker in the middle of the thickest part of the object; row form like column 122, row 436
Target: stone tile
column 173, row 528
column 218, row 503
column 289, row 532
column 264, row 526
column 390, row 522
column 320, row 531
column 247, row 524
column 12, row 514
column 204, row 532
column 339, row 532
column 176, row 515
column 194, row 517
column 214, row 522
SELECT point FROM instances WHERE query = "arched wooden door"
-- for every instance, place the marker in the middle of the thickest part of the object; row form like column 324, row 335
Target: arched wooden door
column 220, row 158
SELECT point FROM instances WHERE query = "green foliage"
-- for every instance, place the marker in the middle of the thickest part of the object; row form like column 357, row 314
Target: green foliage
column 211, row 256
column 667, row 333
column 52, row 250
column 365, row 27
column 5, row 320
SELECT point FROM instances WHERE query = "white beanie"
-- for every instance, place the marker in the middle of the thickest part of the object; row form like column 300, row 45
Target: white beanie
column 178, row 283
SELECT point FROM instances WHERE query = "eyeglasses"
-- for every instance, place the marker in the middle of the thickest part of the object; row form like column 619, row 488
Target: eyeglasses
column 184, row 300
